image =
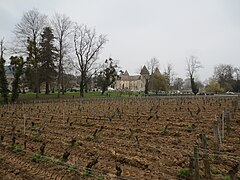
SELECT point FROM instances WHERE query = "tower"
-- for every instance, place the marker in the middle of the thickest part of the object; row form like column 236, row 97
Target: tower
column 144, row 77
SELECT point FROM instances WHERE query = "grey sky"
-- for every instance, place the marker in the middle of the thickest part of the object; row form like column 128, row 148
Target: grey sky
column 140, row 29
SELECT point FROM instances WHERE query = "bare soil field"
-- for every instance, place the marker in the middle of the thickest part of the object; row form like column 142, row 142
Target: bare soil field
column 125, row 138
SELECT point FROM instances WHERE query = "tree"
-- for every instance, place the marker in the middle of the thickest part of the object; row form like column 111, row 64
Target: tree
column 237, row 73
column 69, row 81
column 62, row 28
column 47, row 57
column 178, row 84
column 18, row 64
column 236, row 86
column 192, row 67
column 214, row 87
column 3, row 79
column 223, row 73
column 87, row 48
column 157, row 82
column 27, row 34
column 152, row 64
column 33, row 66
column 108, row 75
column 146, row 89
column 169, row 74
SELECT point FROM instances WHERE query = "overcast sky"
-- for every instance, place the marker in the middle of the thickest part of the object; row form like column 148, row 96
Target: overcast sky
column 138, row 30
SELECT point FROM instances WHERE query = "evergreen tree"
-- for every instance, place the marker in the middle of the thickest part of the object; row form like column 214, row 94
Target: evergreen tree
column 146, row 87
column 4, row 83
column 108, row 75
column 47, row 57
column 158, row 82
column 18, row 66
column 194, row 86
column 33, row 64
column 3, row 79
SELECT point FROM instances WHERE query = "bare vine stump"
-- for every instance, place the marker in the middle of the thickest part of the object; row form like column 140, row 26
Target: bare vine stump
column 205, row 156
column 196, row 165
column 232, row 173
column 65, row 156
column 42, row 148
column 119, row 170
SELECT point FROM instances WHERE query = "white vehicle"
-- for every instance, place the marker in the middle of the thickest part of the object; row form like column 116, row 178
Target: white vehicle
column 230, row 93
column 110, row 89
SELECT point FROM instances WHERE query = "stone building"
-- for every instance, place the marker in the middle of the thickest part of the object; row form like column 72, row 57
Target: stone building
column 128, row 82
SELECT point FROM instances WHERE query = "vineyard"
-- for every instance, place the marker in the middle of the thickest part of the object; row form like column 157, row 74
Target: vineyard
column 122, row 138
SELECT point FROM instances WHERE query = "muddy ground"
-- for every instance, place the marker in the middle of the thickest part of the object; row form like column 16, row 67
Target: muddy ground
column 135, row 138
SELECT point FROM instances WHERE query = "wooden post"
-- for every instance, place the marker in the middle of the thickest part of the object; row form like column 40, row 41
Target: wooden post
column 228, row 121
column 223, row 114
column 24, row 123
column 216, row 135
column 217, row 131
column 196, row 165
column 235, row 104
column 205, row 156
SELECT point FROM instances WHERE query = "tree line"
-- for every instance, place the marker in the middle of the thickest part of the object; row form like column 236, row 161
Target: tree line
column 42, row 54
column 225, row 78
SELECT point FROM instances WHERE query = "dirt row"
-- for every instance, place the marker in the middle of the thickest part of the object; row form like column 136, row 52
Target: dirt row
column 146, row 138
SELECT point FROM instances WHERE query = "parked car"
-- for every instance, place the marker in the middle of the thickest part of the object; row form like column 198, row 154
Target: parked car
column 230, row 93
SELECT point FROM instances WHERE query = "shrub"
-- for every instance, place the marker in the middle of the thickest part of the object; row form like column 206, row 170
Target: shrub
column 17, row 148
column 87, row 172
column 37, row 138
column 184, row 173
column 37, row 157
column 72, row 168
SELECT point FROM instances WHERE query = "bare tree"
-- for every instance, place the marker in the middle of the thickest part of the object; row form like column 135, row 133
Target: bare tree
column 2, row 48
column 30, row 27
column 87, row 48
column 169, row 74
column 27, row 34
column 192, row 67
column 178, row 83
column 237, row 73
column 62, row 30
column 153, row 64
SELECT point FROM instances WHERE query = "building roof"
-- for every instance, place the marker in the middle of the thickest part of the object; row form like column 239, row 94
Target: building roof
column 126, row 73
column 144, row 71
column 126, row 77
column 134, row 78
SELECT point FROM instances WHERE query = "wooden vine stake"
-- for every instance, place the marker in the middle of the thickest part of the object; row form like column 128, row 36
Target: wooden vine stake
column 24, row 123
column 217, row 136
column 223, row 115
column 227, row 120
column 196, row 165
column 205, row 156
column 235, row 104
